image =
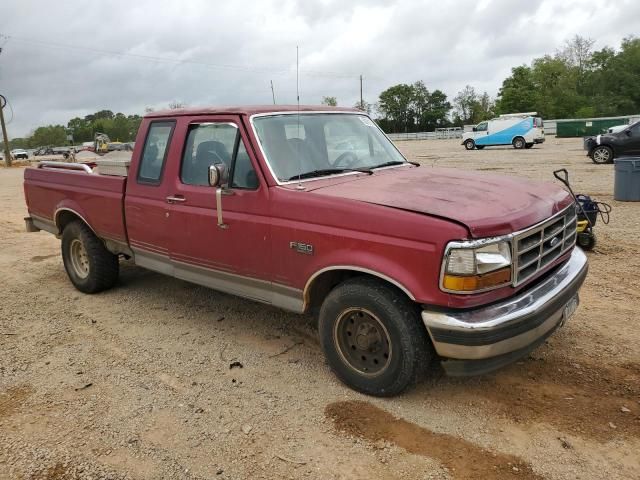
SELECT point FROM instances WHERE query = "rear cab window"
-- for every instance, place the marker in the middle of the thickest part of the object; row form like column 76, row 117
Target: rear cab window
column 154, row 153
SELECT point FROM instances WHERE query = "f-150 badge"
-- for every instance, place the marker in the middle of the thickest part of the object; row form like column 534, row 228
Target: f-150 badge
column 300, row 247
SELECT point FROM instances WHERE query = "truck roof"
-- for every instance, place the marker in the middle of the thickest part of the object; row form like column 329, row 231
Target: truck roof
column 246, row 110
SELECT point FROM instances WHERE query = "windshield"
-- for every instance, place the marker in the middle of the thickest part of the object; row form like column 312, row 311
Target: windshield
column 319, row 144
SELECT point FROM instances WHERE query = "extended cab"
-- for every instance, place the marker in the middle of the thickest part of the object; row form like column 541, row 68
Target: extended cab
column 315, row 210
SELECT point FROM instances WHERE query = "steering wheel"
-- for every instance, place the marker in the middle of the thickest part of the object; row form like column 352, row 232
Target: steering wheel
column 346, row 160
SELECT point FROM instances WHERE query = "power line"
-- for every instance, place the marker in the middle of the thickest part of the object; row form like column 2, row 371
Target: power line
column 175, row 61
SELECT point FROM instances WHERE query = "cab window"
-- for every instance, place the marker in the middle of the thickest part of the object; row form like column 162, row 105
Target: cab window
column 216, row 143
column 482, row 127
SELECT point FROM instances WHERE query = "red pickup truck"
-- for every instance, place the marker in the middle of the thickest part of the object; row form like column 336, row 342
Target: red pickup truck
column 313, row 209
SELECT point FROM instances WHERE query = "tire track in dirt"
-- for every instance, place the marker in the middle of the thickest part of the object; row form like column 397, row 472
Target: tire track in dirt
column 465, row 460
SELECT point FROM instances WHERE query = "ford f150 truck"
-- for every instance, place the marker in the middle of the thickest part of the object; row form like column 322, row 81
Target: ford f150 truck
column 313, row 209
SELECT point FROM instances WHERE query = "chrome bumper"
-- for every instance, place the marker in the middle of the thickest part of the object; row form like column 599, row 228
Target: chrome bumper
column 486, row 338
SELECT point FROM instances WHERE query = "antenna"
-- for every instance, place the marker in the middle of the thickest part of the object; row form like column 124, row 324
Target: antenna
column 273, row 93
column 300, row 186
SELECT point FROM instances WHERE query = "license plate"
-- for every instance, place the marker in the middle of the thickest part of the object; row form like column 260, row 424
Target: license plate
column 570, row 308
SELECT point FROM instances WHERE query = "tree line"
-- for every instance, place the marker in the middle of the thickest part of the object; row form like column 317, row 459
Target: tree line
column 575, row 82
column 118, row 126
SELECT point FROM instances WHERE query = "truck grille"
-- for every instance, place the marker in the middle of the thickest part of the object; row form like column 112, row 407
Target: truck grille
column 538, row 246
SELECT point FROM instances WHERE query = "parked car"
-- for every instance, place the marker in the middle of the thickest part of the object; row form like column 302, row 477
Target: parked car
column 19, row 153
column 604, row 148
column 522, row 130
column 401, row 264
column 43, row 151
column 617, row 128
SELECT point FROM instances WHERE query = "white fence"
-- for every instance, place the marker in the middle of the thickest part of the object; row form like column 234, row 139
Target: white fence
column 439, row 133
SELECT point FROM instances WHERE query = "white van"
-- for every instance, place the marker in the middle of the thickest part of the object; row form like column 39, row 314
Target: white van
column 522, row 130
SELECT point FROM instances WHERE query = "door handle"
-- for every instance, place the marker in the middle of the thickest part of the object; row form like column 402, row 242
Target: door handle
column 175, row 199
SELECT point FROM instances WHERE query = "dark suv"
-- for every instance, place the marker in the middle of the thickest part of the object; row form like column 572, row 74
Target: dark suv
column 604, row 148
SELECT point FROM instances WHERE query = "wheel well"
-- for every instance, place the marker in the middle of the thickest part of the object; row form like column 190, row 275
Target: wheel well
column 65, row 217
column 321, row 285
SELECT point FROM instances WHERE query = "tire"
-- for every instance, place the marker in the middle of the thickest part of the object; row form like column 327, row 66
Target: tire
column 587, row 240
column 602, row 154
column 518, row 143
column 469, row 144
column 90, row 266
column 479, row 147
column 528, row 145
column 373, row 338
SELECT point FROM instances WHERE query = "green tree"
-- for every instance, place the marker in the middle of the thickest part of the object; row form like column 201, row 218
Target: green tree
column 53, row 135
column 396, row 104
column 330, row 101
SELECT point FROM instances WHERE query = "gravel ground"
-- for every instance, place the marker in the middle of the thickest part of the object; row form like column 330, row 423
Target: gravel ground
column 135, row 383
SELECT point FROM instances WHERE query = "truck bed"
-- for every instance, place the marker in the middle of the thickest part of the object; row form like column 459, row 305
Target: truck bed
column 98, row 199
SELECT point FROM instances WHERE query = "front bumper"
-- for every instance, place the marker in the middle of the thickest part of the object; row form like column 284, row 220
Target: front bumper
column 538, row 140
column 480, row 340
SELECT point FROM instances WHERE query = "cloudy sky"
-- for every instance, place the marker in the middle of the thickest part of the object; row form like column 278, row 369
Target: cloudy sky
column 71, row 58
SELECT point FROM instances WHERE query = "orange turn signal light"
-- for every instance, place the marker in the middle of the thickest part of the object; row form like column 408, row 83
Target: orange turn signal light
column 476, row 282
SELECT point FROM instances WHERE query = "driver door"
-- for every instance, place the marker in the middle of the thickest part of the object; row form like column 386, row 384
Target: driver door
column 233, row 256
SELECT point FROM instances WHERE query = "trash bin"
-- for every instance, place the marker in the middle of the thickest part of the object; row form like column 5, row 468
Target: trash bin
column 627, row 179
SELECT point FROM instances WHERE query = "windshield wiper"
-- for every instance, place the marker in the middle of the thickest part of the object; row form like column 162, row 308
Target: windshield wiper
column 328, row 171
column 395, row 162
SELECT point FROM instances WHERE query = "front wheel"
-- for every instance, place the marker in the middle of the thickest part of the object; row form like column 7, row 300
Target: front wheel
column 602, row 154
column 519, row 143
column 469, row 144
column 89, row 265
column 372, row 337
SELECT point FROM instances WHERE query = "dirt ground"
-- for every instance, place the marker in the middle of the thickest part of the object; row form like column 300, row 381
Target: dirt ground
column 136, row 382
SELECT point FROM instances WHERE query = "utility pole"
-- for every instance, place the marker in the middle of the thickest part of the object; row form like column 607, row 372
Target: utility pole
column 273, row 93
column 5, row 137
column 361, row 101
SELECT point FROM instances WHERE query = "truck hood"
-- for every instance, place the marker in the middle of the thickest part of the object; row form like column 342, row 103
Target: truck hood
column 488, row 205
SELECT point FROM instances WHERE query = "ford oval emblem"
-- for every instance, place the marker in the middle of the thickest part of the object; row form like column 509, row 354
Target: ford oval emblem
column 554, row 241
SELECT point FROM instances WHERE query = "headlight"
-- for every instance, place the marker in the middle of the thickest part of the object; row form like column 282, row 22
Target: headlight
column 469, row 267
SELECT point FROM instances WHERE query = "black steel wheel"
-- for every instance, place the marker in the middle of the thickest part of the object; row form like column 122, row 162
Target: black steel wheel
column 372, row 337
column 362, row 341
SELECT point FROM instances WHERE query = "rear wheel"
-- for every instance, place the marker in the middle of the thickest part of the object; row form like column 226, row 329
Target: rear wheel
column 89, row 265
column 372, row 337
column 518, row 143
column 469, row 144
column 602, row 154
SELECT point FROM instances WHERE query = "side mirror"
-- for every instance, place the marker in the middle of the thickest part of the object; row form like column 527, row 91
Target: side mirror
column 475, row 129
column 218, row 175
column 628, row 132
column 215, row 175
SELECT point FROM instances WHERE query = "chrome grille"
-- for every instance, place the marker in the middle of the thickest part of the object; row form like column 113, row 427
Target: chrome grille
column 541, row 244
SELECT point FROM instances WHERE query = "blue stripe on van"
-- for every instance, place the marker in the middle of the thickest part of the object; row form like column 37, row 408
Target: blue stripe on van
column 505, row 137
